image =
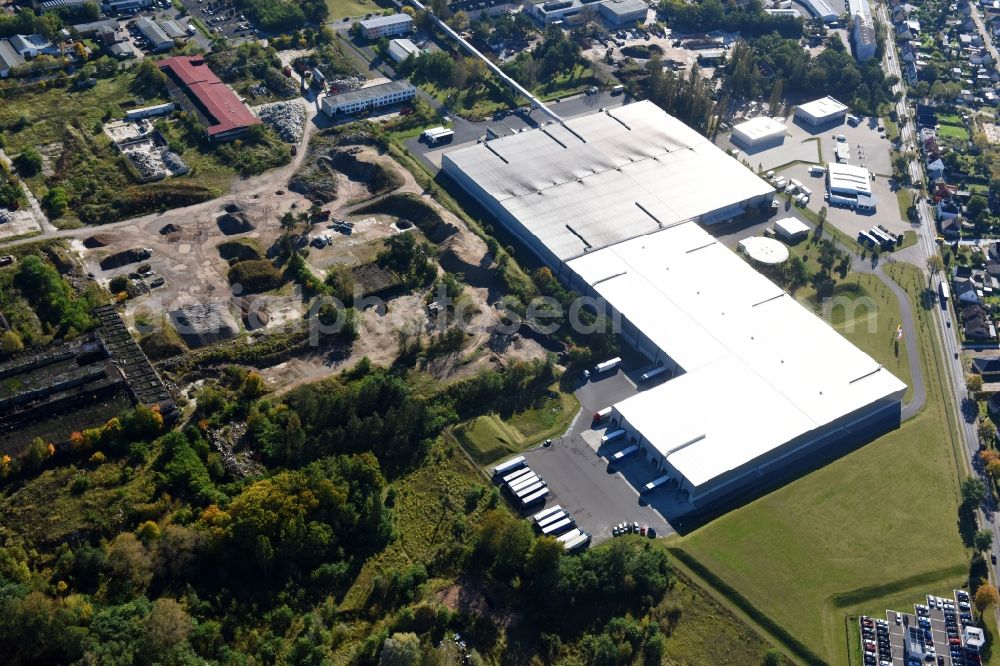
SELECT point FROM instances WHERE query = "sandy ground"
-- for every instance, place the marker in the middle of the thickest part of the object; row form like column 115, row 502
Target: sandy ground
column 188, row 259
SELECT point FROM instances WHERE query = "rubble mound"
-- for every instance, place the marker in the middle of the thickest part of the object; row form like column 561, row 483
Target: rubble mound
column 204, row 323
column 234, row 223
column 97, row 240
column 286, row 118
column 125, row 257
column 169, row 229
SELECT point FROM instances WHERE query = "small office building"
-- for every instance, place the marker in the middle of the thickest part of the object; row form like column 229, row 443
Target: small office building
column 387, row 26
column 758, row 133
column 826, row 110
column 372, row 97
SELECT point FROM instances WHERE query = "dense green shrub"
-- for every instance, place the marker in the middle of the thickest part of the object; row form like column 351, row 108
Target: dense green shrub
column 255, row 276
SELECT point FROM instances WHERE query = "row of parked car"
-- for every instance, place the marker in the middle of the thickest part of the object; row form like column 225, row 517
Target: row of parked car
column 633, row 528
column 875, row 641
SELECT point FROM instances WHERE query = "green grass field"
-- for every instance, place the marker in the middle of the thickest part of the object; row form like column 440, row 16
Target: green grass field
column 953, row 131
column 352, row 8
column 819, row 550
column 48, row 111
column 491, row 437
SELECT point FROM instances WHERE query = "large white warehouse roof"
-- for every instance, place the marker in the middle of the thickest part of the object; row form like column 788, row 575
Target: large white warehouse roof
column 786, row 372
column 607, row 177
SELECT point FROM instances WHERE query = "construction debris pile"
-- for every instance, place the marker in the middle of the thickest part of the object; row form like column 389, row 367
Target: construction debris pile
column 286, row 118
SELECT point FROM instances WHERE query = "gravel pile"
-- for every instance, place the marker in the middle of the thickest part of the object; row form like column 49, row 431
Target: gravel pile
column 286, row 118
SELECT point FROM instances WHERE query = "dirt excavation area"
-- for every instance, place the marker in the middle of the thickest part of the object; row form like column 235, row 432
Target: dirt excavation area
column 346, row 198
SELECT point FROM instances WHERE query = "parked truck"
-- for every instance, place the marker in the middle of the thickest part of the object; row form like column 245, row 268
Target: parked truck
column 607, row 366
column 602, row 414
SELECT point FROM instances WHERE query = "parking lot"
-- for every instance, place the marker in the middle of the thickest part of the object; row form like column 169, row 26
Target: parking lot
column 932, row 634
column 221, row 17
column 869, row 148
column 597, row 495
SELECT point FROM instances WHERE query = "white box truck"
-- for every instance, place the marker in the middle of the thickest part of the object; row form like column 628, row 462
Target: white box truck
column 602, row 414
column 607, row 366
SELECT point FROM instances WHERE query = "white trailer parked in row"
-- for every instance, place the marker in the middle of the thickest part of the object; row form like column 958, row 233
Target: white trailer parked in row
column 569, row 536
column 577, row 543
column 514, row 476
column 545, row 513
column 537, row 496
column 530, row 490
column 554, row 518
column 557, row 527
column 508, row 466
column 523, row 482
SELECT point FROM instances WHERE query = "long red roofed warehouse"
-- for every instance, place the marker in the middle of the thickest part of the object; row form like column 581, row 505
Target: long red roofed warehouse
column 228, row 115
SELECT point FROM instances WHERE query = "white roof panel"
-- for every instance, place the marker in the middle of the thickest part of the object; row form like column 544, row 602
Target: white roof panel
column 610, row 176
column 727, row 325
column 823, row 107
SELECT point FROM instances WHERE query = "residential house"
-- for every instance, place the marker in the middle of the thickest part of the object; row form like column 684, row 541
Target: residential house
column 948, row 209
column 987, row 367
column 965, row 292
column 935, row 168
column 950, row 228
column 976, row 324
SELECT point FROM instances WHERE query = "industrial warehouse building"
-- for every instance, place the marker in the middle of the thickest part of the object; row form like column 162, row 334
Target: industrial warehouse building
column 383, row 94
column 821, row 111
column 611, row 202
column 198, row 89
column 565, row 190
column 823, row 10
column 850, row 186
column 624, row 12
column 401, row 49
column 154, row 34
column 758, row 133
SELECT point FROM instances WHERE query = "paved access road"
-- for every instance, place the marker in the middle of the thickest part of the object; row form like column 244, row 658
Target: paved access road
column 927, row 235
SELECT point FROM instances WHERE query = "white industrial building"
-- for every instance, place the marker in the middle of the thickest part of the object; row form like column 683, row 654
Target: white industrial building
column 821, row 111
column 863, row 38
column 758, row 133
column 611, row 202
column 387, row 26
column 791, row 229
column 624, row 12
column 383, row 94
column 568, row 189
column 823, row 9
column 850, row 185
column 401, row 49
column 154, row 34
column 10, row 59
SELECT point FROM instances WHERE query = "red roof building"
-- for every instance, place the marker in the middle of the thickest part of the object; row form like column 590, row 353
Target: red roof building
column 229, row 116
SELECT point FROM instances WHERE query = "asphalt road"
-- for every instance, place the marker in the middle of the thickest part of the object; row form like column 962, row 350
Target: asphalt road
column 926, row 235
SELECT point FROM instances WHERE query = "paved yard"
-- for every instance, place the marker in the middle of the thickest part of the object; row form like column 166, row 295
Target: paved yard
column 596, row 495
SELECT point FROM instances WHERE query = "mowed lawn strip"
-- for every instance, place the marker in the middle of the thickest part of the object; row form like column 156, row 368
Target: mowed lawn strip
column 886, row 512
